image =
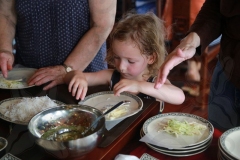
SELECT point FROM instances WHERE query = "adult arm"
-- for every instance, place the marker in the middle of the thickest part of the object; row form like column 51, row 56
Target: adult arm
column 7, row 33
column 102, row 20
column 206, row 28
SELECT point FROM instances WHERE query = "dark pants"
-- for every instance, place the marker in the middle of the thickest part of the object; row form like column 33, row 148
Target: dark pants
column 224, row 101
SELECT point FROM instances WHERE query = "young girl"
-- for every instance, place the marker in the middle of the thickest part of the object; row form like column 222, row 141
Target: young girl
column 136, row 50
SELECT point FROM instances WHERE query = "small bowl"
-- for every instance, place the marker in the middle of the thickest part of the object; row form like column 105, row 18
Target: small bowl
column 3, row 145
column 53, row 121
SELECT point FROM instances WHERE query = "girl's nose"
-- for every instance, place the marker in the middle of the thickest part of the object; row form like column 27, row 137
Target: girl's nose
column 122, row 66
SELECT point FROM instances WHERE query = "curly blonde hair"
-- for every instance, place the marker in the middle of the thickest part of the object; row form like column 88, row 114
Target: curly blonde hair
column 147, row 31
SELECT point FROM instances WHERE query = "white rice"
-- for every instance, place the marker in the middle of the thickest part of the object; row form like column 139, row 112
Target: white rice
column 24, row 109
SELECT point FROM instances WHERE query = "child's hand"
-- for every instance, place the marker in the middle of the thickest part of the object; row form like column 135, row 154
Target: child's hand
column 126, row 85
column 78, row 85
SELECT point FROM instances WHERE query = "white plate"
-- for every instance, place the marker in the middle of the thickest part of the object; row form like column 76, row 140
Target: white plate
column 146, row 156
column 16, row 74
column 230, row 142
column 224, row 154
column 180, row 154
column 102, row 99
column 166, row 140
column 180, row 150
column 9, row 156
column 10, row 101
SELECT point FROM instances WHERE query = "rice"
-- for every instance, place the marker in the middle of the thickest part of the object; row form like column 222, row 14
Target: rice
column 25, row 108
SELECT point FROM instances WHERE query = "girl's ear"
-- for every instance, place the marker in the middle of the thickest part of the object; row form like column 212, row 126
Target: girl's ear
column 152, row 58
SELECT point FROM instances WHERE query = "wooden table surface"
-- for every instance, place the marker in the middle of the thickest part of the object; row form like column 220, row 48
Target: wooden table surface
column 18, row 137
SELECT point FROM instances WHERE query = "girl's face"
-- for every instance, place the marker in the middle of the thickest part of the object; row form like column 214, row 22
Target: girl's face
column 129, row 61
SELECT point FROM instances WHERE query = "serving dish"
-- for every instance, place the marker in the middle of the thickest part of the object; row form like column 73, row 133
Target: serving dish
column 152, row 128
column 17, row 78
column 44, row 126
column 107, row 98
column 12, row 101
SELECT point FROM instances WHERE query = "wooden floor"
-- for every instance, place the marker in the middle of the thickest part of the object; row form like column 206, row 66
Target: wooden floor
column 192, row 103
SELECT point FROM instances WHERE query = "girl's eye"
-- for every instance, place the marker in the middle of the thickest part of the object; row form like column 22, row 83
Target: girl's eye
column 131, row 62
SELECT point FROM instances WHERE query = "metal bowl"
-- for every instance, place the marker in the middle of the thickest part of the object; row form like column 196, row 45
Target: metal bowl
column 51, row 120
column 3, row 145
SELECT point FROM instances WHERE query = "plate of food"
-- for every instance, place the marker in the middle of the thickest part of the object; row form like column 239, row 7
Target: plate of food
column 20, row 110
column 17, row 78
column 105, row 100
column 178, row 130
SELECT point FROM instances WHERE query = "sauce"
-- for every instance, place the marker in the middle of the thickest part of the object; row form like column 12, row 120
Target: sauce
column 70, row 133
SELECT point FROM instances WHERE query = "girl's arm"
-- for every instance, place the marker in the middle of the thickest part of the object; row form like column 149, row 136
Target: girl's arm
column 167, row 93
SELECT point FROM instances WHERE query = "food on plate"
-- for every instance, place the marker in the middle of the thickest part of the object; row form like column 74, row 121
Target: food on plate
column 23, row 109
column 118, row 112
column 4, row 83
column 176, row 127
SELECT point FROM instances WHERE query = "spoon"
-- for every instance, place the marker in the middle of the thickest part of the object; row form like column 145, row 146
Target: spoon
column 108, row 111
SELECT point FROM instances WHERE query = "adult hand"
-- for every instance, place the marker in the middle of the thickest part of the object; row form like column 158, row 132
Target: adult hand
column 181, row 53
column 53, row 74
column 78, row 84
column 6, row 62
column 126, row 85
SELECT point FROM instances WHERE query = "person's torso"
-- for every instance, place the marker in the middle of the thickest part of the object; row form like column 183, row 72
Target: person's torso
column 48, row 30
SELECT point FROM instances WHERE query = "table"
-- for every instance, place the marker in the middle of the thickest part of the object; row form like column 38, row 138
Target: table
column 21, row 145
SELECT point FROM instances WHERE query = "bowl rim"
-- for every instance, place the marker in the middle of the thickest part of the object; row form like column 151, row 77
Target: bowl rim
column 5, row 144
column 60, row 106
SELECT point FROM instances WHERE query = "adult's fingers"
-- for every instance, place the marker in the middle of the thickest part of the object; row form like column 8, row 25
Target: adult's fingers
column 171, row 61
column 5, row 65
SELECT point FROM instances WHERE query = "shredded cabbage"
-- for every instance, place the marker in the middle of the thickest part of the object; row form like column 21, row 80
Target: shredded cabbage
column 10, row 83
column 176, row 128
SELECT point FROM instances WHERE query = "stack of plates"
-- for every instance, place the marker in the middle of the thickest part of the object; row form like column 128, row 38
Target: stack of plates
column 181, row 145
column 229, row 145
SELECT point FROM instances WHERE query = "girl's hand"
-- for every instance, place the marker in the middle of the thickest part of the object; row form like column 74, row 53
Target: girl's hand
column 126, row 85
column 78, row 84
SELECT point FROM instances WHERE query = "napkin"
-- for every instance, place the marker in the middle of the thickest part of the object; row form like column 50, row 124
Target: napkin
column 168, row 141
column 125, row 157
column 110, row 124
